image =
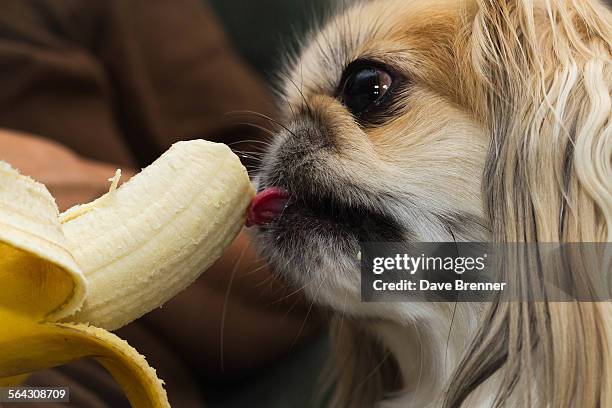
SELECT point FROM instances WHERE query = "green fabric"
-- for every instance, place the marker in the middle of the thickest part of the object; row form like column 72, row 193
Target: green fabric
column 262, row 30
column 295, row 382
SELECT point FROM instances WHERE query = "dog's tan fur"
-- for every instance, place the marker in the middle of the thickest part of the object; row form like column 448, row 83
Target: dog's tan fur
column 503, row 134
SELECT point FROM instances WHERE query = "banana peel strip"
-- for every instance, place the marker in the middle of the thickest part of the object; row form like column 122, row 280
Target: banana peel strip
column 30, row 346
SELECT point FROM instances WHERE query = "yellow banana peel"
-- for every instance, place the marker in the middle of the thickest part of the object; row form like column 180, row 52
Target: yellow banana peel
column 108, row 262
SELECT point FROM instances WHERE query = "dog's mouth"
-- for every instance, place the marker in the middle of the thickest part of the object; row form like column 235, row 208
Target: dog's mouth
column 274, row 207
column 309, row 235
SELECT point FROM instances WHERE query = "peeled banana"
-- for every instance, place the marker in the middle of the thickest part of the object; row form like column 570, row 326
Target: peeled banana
column 141, row 244
column 66, row 278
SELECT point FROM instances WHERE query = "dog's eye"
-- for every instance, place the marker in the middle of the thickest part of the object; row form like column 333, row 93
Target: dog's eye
column 364, row 88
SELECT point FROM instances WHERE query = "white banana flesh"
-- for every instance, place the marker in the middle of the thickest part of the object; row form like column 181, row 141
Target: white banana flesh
column 141, row 244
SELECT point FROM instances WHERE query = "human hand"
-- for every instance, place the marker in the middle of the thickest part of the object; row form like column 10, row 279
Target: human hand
column 70, row 178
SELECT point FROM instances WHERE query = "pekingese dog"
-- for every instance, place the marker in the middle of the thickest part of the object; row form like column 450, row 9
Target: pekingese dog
column 447, row 120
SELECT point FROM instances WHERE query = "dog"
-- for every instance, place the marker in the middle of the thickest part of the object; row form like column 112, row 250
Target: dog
column 442, row 121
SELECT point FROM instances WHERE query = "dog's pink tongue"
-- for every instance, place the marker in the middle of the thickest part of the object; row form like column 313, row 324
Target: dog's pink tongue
column 267, row 206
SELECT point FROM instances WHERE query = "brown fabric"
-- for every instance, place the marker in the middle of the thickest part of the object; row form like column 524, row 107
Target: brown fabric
column 118, row 81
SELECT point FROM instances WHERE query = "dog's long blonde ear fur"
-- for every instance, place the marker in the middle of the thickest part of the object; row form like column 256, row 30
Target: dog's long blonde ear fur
column 542, row 77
